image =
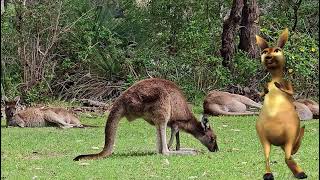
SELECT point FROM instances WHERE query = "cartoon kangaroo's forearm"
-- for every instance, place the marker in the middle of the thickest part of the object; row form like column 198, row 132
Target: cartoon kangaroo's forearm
column 286, row 87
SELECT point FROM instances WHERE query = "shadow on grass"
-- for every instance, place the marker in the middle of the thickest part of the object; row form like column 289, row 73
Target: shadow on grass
column 134, row 154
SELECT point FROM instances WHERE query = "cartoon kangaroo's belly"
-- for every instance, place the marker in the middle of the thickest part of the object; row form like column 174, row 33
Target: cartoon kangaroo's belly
column 278, row 120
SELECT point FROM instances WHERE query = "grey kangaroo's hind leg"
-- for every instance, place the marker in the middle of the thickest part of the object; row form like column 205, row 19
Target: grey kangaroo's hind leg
column 161, row 139
column 174, row 133
column 53, row 117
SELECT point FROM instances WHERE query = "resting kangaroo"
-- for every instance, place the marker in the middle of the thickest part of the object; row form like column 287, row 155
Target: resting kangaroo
column 224, row 103
column 303, row 111
column 161, row 103
column 312, row 105
column 278, row 122
column 39, row 117
column 220, row 103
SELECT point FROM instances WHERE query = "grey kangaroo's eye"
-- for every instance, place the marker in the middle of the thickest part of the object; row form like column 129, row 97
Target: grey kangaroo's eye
column 264, row 52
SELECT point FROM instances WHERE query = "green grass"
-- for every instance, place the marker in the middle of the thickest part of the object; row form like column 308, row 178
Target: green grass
column 47, row 153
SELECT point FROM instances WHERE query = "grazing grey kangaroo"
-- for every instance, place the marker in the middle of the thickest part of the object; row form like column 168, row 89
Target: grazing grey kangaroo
column 220, row 103
column 161, row 103
column 39, row 117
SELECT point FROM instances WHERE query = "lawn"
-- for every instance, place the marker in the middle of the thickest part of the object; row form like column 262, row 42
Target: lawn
column 47, row 153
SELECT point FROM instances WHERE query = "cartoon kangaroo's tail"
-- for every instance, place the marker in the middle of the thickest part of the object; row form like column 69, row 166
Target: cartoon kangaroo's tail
column 114, row 117
column 298, row 141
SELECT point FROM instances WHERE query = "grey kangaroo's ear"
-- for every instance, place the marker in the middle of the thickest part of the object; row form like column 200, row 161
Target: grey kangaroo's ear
column 283, row 38
column 204, row 122
column 262, row 43
column 17, row 99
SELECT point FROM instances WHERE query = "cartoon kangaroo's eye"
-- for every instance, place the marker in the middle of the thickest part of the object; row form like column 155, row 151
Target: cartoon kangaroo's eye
column 277, row 50
column 264, row 52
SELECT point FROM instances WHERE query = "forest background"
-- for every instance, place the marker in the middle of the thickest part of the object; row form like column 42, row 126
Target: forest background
column 75, row 49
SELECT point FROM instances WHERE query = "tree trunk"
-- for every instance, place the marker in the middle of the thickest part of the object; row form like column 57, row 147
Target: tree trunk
column 229, row 30
column 296, row 7
column 249, row 28
column 2, row 6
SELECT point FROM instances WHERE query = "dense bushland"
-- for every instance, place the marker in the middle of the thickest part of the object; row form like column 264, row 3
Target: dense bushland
column 92, row 49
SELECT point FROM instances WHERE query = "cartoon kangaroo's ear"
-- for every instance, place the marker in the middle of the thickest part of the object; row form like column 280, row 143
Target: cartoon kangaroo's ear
column 261, row 42
column 283, row 38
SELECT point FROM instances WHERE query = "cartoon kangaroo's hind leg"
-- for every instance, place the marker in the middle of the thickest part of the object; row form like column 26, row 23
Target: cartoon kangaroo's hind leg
column 267, row 148
column 293, row 166
column 299, row 140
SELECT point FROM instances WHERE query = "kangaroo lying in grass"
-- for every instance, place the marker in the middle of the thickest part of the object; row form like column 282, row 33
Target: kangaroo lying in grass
column 39, row 117
column 223, row 103
column 312, row 106
column 161, row 103
column 278, row 122
column 303, row 111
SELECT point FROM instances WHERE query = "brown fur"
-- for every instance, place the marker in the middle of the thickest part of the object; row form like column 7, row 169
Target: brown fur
column 39, row 117
column 160, row 103
column 303, row 111
column 278, row 122
column 223, row 103
column 312, row 105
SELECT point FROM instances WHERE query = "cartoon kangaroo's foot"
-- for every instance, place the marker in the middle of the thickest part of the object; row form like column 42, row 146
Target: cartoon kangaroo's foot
column 301, row 175
column 268, row 176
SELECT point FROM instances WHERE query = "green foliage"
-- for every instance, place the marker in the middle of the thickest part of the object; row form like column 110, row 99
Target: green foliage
column 247, row 67
column 176, row 40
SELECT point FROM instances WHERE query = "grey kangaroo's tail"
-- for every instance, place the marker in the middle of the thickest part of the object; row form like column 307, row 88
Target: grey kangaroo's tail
column 114, row 117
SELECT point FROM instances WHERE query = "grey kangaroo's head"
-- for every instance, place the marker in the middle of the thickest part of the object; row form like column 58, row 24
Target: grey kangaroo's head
column 207, row 137
column 11, row 106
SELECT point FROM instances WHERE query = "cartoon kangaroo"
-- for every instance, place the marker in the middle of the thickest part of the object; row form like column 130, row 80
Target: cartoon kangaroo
column 161, row 103
column 278, row 123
